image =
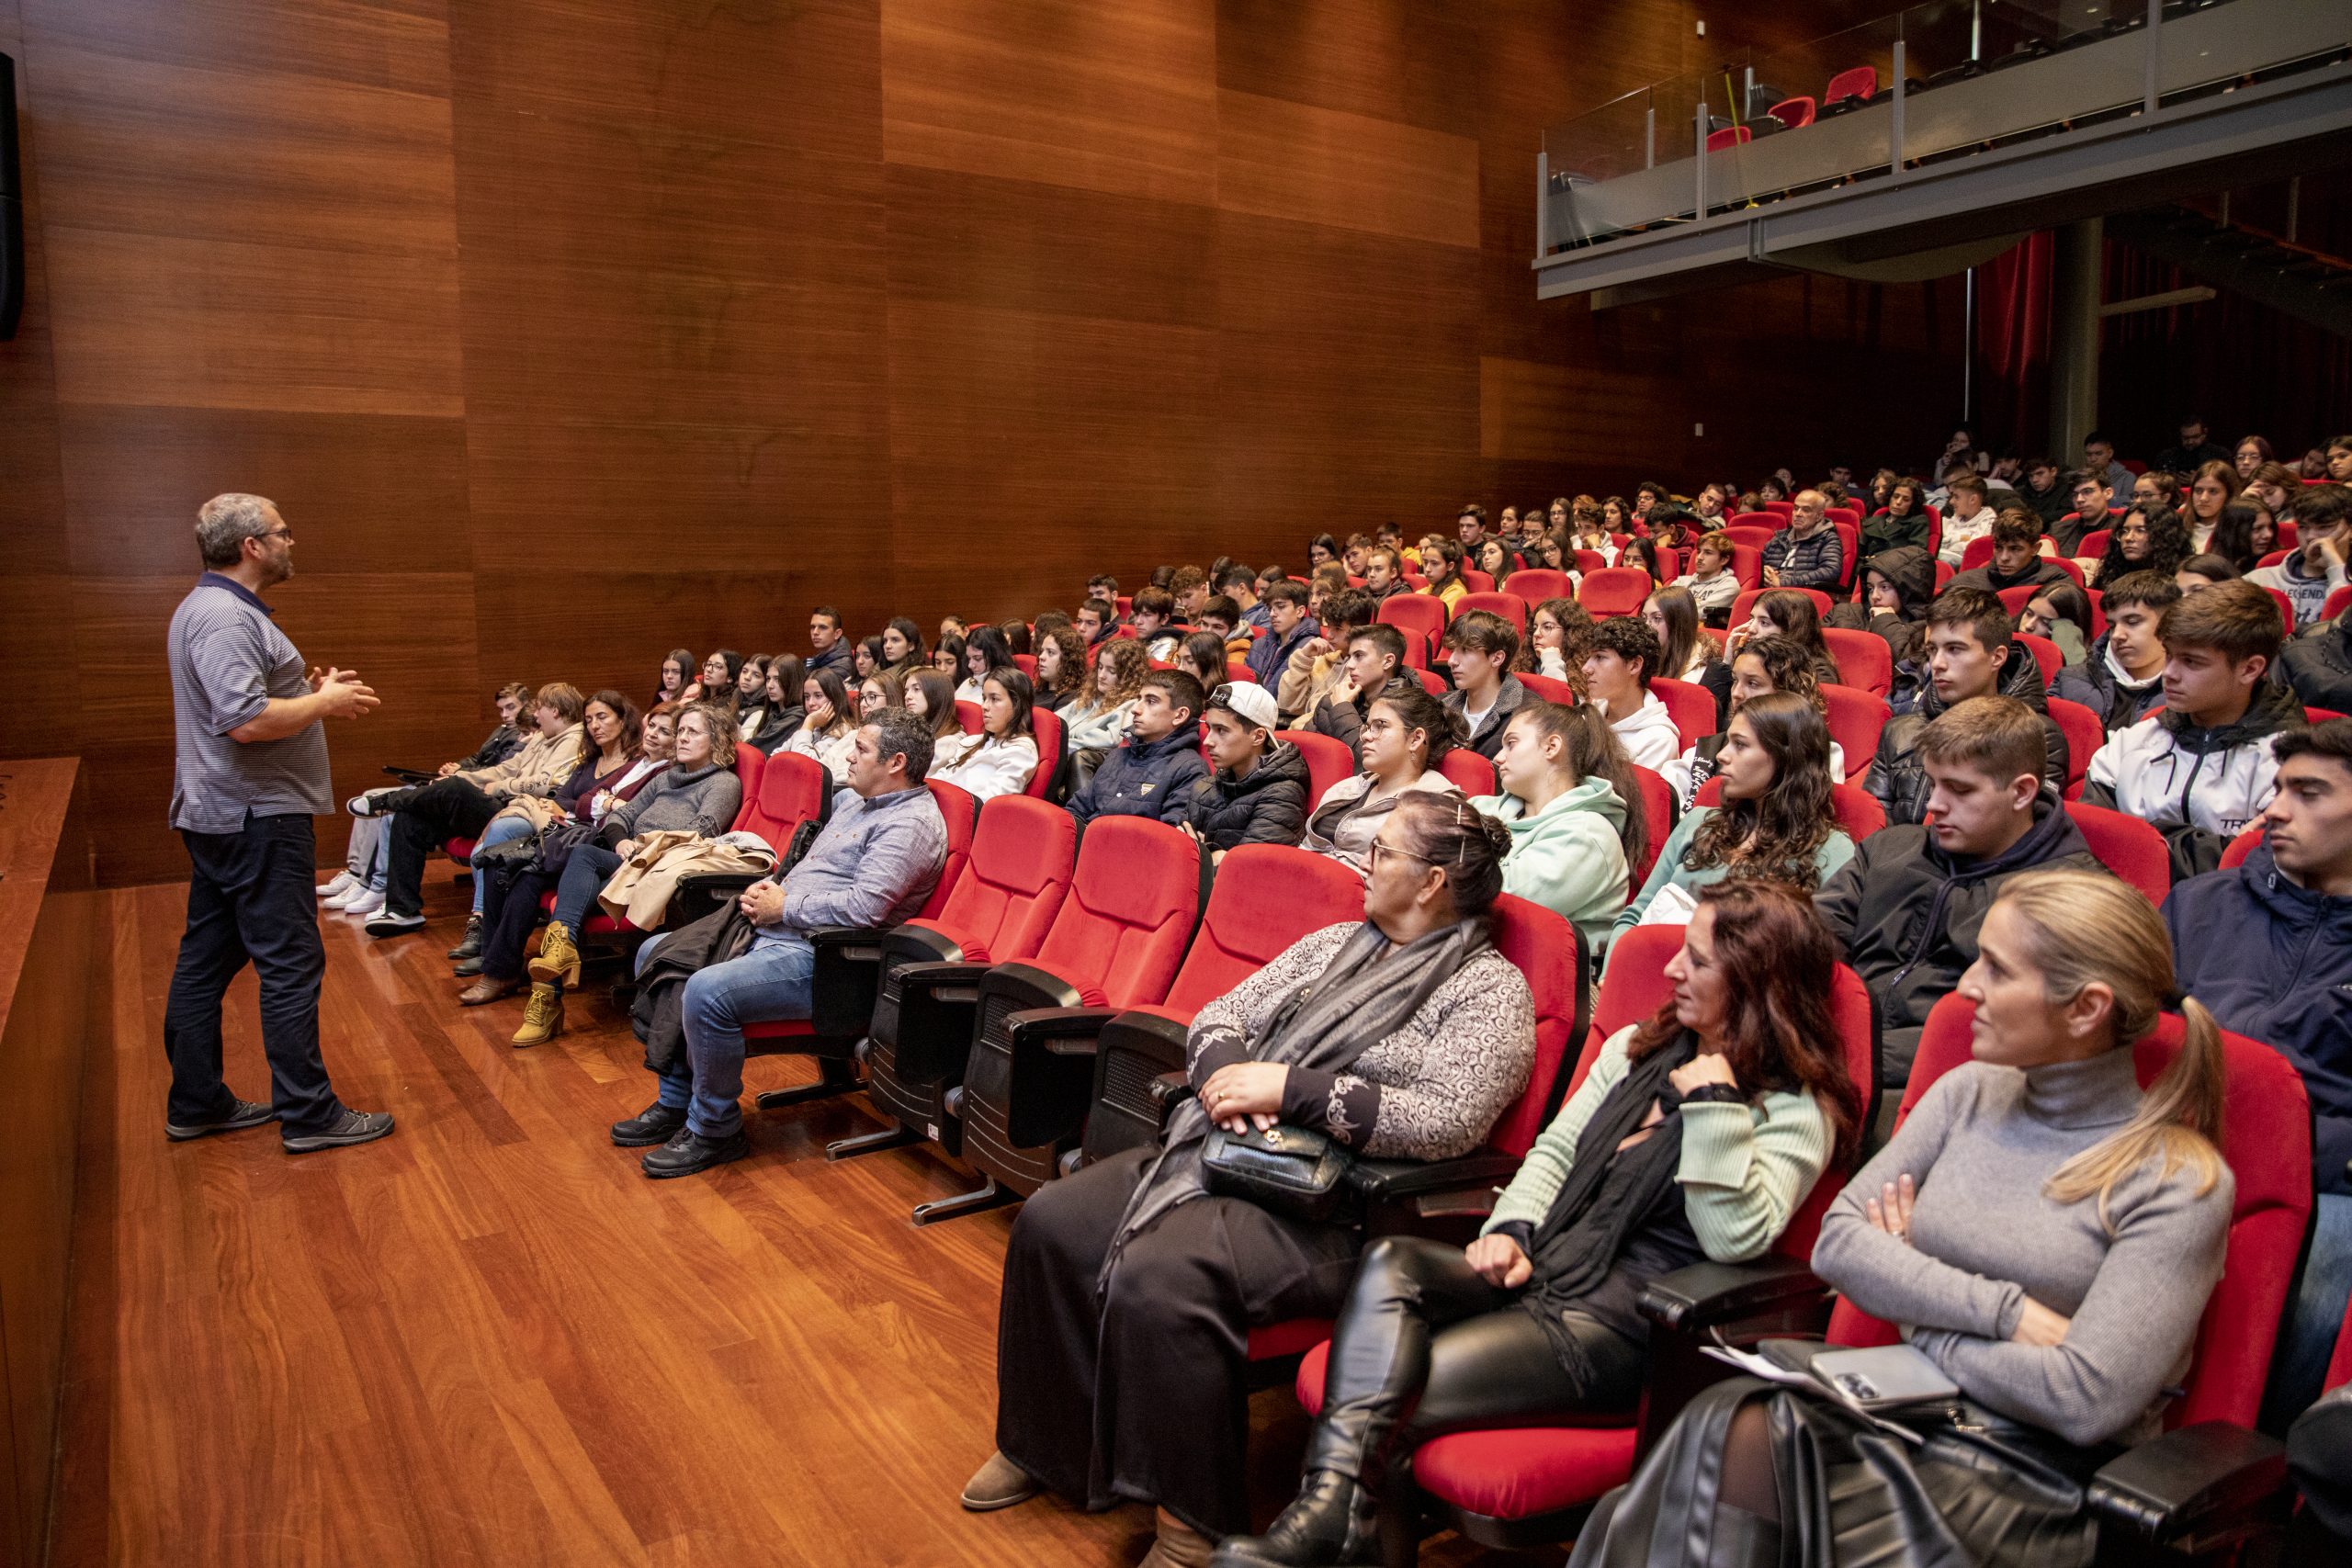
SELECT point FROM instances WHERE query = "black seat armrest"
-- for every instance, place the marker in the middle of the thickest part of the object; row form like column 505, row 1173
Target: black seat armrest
column 946, row 975
column 2194, row 1489
column 856, row 945
column 1064, row 1031
column 1704, row 1294
column 1169, row 1090
column 1393, row 1180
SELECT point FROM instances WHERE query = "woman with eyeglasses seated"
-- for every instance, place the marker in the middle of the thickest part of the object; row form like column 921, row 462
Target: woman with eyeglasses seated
column 1406, row 732
column 2041, row 1230
column 1696, row 1135
column 1130, row 1288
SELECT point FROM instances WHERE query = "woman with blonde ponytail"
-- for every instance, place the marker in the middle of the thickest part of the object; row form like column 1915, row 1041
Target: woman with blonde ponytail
column 2043, row 1232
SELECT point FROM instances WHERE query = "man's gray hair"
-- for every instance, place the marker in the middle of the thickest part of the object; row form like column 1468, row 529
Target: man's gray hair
column 897, row 731
column 226, row 521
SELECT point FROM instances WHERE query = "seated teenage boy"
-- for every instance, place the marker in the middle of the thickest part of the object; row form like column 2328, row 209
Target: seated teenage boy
column 2203, row 768
column 1373, row 660
column 2122, row 680
column 2016, row 536
column 1479, row 647
column 2313, row 569
column 1151, row 773
column 1618, row 659
column 2267, row 946
column 875, row 861
column 1288, row 626
column 1971, row 651
column 1908, row 905
column 1258, row 794
column 1313, row 665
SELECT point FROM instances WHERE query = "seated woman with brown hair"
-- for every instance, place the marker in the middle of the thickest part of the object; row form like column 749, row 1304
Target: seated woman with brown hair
column 828, row 724
column 1130, row 1287
column 1407, row 733
column 698, row 793
column 1696, row 1135
column 931, row 697
column 1062, row 674
column 2045, row 1234
column 1002, row 758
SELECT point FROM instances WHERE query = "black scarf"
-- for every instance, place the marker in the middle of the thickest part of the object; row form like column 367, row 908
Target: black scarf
column 1582, row 1239
column 1360, row 998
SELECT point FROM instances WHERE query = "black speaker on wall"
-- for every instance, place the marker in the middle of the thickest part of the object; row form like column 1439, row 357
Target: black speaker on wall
column 12, row 208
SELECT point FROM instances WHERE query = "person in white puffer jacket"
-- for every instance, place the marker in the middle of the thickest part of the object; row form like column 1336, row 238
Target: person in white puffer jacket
column 2201, row 768
column 1617, row 663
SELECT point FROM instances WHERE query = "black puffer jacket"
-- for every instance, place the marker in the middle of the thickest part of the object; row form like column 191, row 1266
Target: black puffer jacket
column 1897, row 779
column 1269, row 806
column 1912, row 570
column 2317, row 663
column 1909, row 913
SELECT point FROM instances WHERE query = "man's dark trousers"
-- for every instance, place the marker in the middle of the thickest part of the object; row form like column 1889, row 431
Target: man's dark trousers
column 443, row 809
column 251, row 899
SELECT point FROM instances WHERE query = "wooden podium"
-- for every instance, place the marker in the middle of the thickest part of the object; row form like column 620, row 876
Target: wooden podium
column 51, row 966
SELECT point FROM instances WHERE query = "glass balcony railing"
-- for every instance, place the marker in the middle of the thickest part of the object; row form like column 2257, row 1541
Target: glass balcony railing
column 1874, row 99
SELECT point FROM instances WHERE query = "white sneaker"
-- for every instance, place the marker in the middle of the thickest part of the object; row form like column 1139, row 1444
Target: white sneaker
column 367, row 901
column 340, row 885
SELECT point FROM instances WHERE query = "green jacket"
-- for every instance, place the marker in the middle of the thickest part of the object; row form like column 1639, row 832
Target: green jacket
column 1745, row 1168
column 1567, row 857
column 1835, row 851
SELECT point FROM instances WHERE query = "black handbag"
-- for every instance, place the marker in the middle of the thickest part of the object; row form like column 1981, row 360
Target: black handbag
column 555, row 846
column 509, row 855
column 1295, row 1172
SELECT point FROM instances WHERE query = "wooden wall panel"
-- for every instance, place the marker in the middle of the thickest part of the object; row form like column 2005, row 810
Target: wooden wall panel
column 570, row 331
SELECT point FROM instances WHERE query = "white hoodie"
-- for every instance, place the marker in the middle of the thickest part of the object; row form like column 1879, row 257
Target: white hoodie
column 1648, row 734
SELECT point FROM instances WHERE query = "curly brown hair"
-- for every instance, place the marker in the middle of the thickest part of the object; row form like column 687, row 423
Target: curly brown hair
column 1779, row 834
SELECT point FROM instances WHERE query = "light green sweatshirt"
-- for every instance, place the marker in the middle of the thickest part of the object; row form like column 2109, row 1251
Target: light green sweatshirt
column 1567, row 856
column 1745, row 1169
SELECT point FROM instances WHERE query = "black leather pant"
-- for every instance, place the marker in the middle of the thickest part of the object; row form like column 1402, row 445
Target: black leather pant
column 1426, row 1346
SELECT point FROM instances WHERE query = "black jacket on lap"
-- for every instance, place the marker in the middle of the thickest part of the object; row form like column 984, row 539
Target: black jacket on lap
column 2317, row 661
column 1268, row 807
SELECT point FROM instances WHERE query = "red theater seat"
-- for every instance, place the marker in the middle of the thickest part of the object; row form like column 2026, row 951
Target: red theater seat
column 1327, row 761
column 1470, row 773
column 1614, row 591
column 1421, row 617
column 2085, row 735
column 1855, row 720
column 1863, row 660
column 2127, row 846
column 1857, row 812
column 1745, row 606
column 1547, row 688
column 1691, row 706
column 1659, row 809
column 1537, row 583
column 1509, row 606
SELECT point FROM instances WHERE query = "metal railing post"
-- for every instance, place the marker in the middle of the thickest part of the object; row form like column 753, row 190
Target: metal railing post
column 1542, row 205
column 1894, row 120
column 1699, row 141
column 1649, row 137
column 2155, row 54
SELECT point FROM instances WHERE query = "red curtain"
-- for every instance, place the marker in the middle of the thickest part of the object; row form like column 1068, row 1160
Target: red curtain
column 2013, row 347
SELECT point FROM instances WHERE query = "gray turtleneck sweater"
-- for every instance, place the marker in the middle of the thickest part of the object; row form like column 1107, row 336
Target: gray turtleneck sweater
column 703, row 801
column 1980, row 1145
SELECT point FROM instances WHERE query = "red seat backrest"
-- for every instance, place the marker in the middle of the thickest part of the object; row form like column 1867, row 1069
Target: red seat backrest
column 1747, row 564
column 1477, row 581
column 2285, row 536
column 1509, row 606
column 1855, row 719
column 1240, row 673
column 2265, row 1138
column 1850, row 540
column 1545, row 948
column 1794, row 113
column 1850, row 514
column 2285, row 607
column 1691, row 706
column 1327, row 761
column 1431, row 682
column 793, row 789
column 1016, row 877
column 968, row 716
column 1537, row 583
column 1730, row 136
column 1745, row 606
column 1860, row 82
column 959, row 811
column 2085, row 735
column 1944, row 574
column 2126, row 845
column 1976, row 552
column 1863, row 660
column 1752, row 528
column 1264, row 897
column 1047, row 727
column 1547, row 688
column 2241, row 847
column 1614, row 591
column 1783, row 510
column 2095, row 543
column 1420, row 616
column 2339, row 601
column 1026, row 664
column 1658, row 811
column 750, row 767
column 1470, row 773
column 1130, row 911
column 2046, row 657
column 1588, row 561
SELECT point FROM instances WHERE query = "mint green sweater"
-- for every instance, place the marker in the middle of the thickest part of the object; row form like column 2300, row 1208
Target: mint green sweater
column 1745, row 1168
column 1567, row 857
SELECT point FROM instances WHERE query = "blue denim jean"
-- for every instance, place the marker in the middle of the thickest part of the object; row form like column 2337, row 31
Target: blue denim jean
column 2314, row 1314
column 774, row 980
column 501, row 830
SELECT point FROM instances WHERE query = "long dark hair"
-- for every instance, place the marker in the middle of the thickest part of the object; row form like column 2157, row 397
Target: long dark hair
column 1416, row 709
column 1589, row 749
column 938, row 700
column 2232, row 537
column 632, row 726
column 2168, row 545
column 1795, row 616
column 1203, row 654
column 905, row 626
column 1791, row 821
column 990, row 642
column 689, row 669
column 1023, row 696
column 1680, row 609
column 836, row 690
column 1780, row 963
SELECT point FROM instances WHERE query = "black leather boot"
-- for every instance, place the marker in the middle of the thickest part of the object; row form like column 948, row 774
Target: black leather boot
column 1331, row 1521
column 471, row 946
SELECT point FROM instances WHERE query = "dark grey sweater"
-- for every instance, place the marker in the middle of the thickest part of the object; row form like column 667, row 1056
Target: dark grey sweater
column 703, row 802
column 1980, row 1145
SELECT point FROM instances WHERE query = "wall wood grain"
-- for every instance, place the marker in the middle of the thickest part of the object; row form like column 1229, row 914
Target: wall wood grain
column 570, row 331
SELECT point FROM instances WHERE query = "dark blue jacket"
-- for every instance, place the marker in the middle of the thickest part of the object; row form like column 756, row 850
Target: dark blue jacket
column 2274, row 962
column 1270, row 655
column 1155, row 780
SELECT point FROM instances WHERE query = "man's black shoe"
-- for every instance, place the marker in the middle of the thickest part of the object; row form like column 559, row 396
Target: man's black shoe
column 657, row 1123
column 351, row 1127
column 687, row 1153
column 242, row 1114
column 471, row 946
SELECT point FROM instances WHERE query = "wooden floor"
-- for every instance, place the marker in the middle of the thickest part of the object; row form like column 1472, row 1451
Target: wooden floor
column 489, row 1340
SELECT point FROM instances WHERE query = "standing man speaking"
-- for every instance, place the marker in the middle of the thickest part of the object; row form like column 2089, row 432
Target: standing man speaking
column 251, row 771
